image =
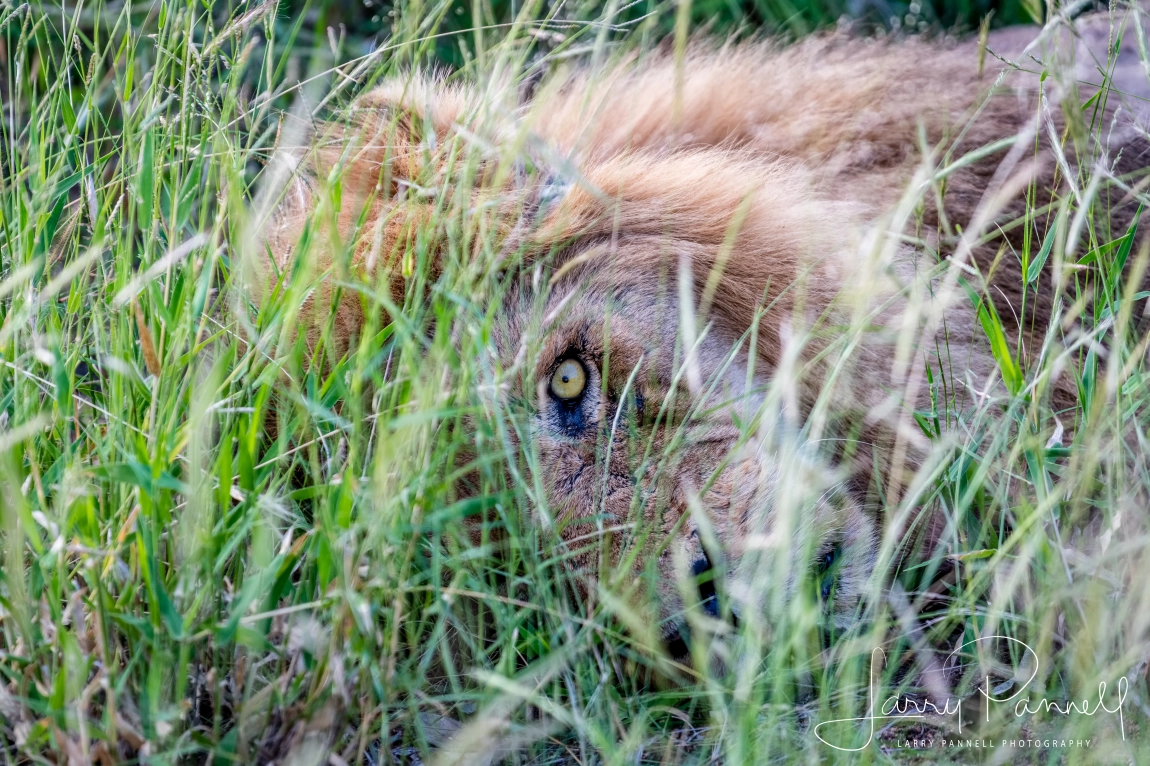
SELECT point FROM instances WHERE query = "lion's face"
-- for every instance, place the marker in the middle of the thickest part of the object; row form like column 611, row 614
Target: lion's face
column 654, row 455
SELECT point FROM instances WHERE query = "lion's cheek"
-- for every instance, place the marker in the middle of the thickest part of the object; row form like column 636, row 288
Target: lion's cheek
column 580, row 504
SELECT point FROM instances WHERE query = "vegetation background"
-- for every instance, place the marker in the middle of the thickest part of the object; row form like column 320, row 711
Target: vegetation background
column 184, row 584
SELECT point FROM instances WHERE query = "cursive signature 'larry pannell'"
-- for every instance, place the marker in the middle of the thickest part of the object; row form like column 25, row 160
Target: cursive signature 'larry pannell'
column 896, row 707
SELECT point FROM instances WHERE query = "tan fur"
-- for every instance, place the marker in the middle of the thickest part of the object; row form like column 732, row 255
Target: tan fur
column 645, row 170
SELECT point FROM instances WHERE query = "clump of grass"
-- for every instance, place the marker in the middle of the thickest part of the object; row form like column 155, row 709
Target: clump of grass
column 222, row 543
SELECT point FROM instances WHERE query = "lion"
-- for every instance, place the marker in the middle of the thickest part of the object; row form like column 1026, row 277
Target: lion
column 710, row 227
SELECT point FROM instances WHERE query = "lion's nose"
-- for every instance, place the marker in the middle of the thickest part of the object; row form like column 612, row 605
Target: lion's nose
column 705, row 583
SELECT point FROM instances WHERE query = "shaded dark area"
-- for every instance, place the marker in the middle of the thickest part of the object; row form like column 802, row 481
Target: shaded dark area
column 455, row 27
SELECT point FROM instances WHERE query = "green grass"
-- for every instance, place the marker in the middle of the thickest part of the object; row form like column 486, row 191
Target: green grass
column 219, row 548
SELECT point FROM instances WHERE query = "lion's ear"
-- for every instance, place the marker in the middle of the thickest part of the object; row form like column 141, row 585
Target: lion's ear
column 388, row 139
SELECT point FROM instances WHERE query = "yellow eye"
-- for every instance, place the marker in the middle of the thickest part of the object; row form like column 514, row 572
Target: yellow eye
column 569, row 380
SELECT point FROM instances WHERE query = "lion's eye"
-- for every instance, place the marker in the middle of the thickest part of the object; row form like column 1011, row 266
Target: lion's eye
column 569, row 380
